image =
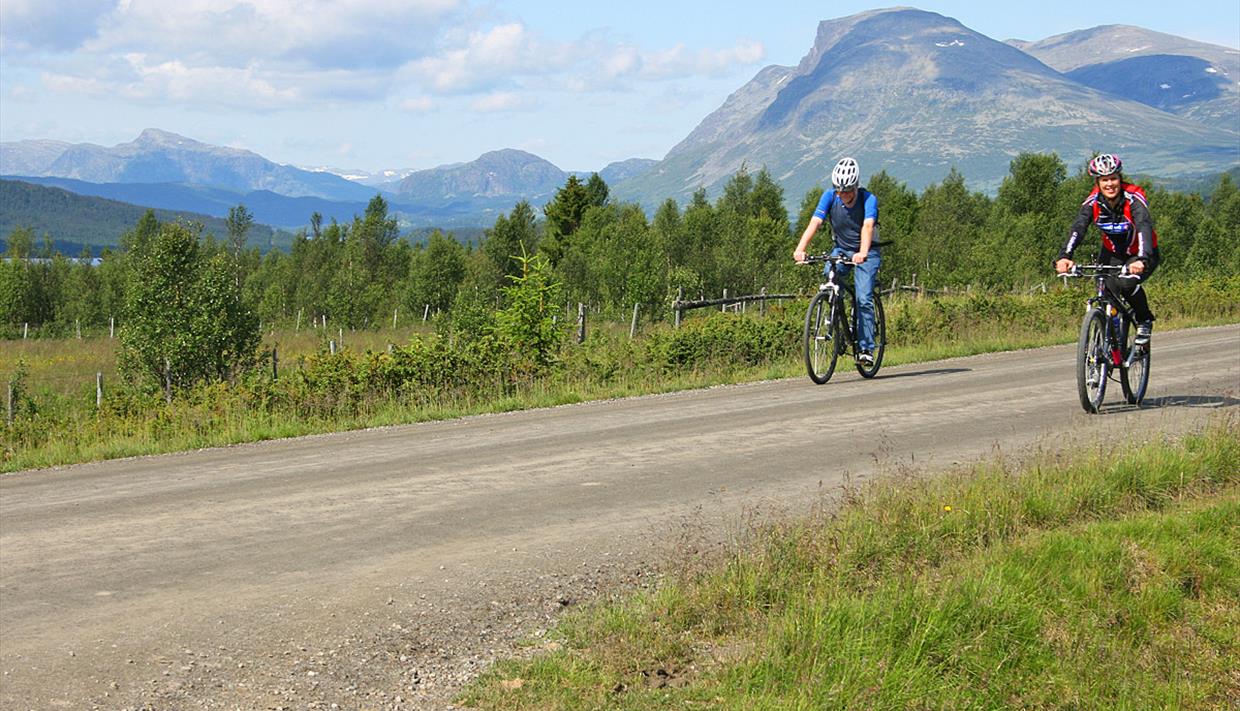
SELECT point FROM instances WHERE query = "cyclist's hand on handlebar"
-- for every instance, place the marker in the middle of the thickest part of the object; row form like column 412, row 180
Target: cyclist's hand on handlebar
column 858, row 257
column 799, row 256
column 1136, row 267
column 1063, row 266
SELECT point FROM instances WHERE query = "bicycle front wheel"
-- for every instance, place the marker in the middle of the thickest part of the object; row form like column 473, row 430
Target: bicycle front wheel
column 1092, row 361
column 1134, row 376
column 880, row 339
column 820, row 347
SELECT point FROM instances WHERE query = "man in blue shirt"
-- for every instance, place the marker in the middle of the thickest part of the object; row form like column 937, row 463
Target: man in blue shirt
column 853, row 212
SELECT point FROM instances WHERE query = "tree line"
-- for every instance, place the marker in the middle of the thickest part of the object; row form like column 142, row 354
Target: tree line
column 607, row 253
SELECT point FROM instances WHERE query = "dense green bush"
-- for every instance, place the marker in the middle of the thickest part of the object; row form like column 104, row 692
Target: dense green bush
column 722, row 338
column 184, row 313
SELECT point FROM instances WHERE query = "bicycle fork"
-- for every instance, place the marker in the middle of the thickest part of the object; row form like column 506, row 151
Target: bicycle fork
column 827, row 333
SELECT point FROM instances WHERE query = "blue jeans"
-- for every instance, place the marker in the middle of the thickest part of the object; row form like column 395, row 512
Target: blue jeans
column 863, row 282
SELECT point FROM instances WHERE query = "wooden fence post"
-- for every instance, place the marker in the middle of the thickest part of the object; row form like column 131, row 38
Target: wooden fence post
column 297, row 327
column 394, row 317
column 762, row 303
column 167, row 381
column 680, row 295
column 581, row 322
column 8, row 405
column 112, row 327
column 25, row 330
column 275, row 365
column 98, row 390
column 77, row 323
column 633, row 326
column 724, row 306
column 340, row 335
column 426, row 311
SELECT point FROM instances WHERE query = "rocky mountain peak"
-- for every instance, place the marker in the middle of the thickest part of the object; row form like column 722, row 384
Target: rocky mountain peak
column 916, row 93
column 158, row 138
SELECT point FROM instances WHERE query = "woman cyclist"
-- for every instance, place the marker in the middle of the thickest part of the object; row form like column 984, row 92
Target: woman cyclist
column 1122, row 215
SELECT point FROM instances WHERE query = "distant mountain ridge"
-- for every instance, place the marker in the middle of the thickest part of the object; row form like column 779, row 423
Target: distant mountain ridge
column 503, row 173
column 158, row 156
column 267, row 207
column 625, row 169
column 1192, row 79
column 916, row 93
column 77, row 221
column 167, row 171
column 1109, row 43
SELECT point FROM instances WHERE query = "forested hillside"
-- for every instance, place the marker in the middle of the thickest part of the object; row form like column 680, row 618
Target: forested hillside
column 75, row 221
column 609, row 255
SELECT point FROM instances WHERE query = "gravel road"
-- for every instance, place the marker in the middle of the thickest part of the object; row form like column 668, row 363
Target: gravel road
column 381, row 569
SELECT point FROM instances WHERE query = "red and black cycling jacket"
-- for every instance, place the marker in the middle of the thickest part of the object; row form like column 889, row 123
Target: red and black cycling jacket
column 1127, row 231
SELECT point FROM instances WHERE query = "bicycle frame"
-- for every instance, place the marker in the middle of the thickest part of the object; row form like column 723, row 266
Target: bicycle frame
column 850, row 325
column 833, row 328
column 1104, row 352
column 1119, row 314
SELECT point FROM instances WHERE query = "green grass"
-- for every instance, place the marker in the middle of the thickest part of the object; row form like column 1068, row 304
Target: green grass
column 57, row 421
column 66, row 367
column 1105, row 579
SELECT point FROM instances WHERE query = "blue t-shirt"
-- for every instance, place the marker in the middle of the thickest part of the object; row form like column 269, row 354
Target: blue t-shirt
column 846, row 221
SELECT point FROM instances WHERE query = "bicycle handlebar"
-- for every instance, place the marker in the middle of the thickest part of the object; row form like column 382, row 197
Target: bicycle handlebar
column 824, row 258
column 1089, row 270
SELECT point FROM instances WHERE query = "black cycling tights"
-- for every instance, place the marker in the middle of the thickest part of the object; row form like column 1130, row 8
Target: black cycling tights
column 1129, row 286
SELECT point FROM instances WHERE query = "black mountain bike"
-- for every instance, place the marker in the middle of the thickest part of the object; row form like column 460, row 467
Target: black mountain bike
column 831, row 327
column 1107, row 349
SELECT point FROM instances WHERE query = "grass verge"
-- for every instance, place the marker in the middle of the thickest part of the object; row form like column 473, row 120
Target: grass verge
column 57, row 421
column 1102, row 579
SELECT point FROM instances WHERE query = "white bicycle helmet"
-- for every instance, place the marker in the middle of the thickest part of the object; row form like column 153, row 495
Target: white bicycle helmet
column 1105, row 164
column 846, row 175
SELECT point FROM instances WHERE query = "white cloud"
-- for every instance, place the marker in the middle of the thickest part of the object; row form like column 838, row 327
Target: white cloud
column 488, row 58
column 315, row 33
column 617, row 65
column 275, row 54
column 39, row 25
column 142, row 78
column 510, row 53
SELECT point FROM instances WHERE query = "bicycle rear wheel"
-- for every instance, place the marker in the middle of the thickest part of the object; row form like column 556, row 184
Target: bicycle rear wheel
column 821, row 350
column 1134, row 376
column 880, row 339
column 1092, row 361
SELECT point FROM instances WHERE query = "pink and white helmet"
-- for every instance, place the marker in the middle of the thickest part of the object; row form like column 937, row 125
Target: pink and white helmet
column 1105, row 164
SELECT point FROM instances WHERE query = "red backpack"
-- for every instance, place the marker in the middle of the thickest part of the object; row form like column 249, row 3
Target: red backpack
column 1136, row 192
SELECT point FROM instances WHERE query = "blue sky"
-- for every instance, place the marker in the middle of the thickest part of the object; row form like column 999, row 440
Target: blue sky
column 377, row 84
